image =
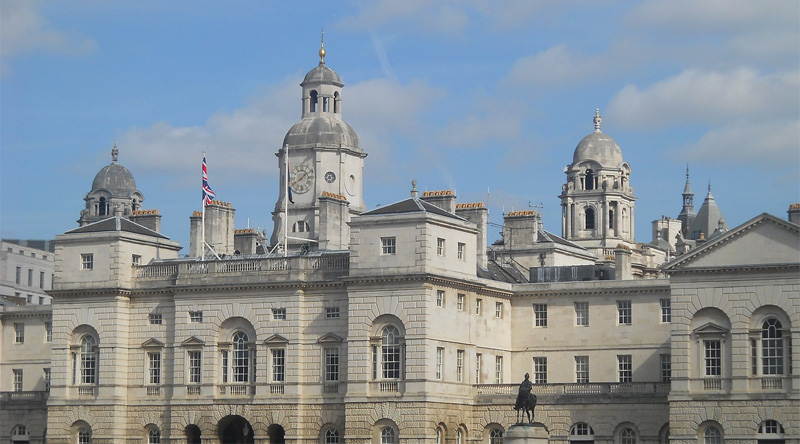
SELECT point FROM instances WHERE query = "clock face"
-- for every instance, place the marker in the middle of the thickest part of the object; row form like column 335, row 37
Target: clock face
column 301, row 178
column 330, row 177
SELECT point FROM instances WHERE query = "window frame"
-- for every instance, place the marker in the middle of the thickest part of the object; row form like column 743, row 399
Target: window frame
column 461, row 251
column 87, row 261
column 540, row 315
column 624, row 369
column 581, row 314
column 459, row 365
column 388, row 245
column 581, row 369
column 19, row 333
column 332, row 361
column 666, row 310
column 540, row 369
column 440, row 246
column 624, row 312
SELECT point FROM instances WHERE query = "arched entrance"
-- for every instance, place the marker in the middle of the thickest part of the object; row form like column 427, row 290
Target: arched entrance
column 234, row 429
column 276, row 434
column 192, row 434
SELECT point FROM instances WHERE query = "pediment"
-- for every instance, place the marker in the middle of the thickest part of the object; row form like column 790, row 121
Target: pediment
column 276, row 340
column 710, row 329
column 193, row 341
column 152, row 343
column 762, row 241
column 329, row 338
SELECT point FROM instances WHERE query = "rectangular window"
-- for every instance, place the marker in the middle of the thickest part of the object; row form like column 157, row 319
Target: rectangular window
column 46, row 379
column 41, row 279
column 440, row 298
column 540, row 315
column 41, row 300
column 540, row 370
column 388, row 245
column 666, row 311
column 666, row 368
column 136, row 259
column 19, row 333
column 224, row 366
column 498, row 309
column 19, row 275
column 498, row 370
column 440, row 246
column 30, row 299
column 478, row 308
column 278, row 365
column 195, row 316
column 462, row 247
column 17, row 379
column 754, row 357
column 582, row 369
column 439, row 362
column 624, row 312
column 478, row 367
column 713, row 358
column 460, row 301
column 624, row 368
column 154, row 369
column 155, row 318
column 48, row 332
column 331, row 364
column 195, row 366
column 374, row 362
column 331, row 312
column 87, row 261
column 279, row 314
column 460, row 365
column 30, row 277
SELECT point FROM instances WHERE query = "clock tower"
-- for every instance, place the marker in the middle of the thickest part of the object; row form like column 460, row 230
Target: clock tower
column 321, row 154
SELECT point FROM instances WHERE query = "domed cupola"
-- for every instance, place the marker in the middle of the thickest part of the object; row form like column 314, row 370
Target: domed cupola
column 597, row 200
column 321, row 155
column 113, row 192
column 598, row 147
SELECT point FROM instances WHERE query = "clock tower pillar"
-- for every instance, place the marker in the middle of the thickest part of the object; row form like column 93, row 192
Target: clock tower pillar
column 321, row 154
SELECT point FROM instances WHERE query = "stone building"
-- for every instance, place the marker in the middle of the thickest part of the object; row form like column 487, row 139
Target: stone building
column 401, row 325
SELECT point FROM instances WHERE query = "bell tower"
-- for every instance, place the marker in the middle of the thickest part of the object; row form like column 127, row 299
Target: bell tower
column 597, row 201
column 320, row 154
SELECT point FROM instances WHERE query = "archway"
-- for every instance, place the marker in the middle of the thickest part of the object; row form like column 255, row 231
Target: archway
column 234, row 429
column 276, row 434
column 192, row 434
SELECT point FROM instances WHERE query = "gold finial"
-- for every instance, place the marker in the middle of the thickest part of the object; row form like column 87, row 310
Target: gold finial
column 322, row 48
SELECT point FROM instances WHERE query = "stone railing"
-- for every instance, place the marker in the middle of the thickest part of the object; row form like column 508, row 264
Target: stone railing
column 37, row 396
column 173, row 270
column 237, row 389
column 583, row 390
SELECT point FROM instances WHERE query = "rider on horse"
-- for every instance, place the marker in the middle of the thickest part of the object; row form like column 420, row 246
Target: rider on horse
column 526, row 400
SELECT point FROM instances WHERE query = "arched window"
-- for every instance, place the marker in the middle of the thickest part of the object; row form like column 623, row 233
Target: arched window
column 241, row 357
column 581, row 433
column 770, row 432
column 331, row 436
column 496, row 436
column 192, row 434
column 154, row 436
column 313, row 105
column 439, row 436
column 88, row 356
column 336, row 102
column 102, row 210
column 589, row 180
column 388, row 436
column 459, row 437
column 301, row 227
column 326, row 104
column 712, row 435
column 390, row 353
column 590, row 219
column 771, row 347
column 84, row 436
column 627, row 436
column 19, row 434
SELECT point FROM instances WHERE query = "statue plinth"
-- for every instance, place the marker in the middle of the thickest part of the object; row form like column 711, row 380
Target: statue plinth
column 526, row 434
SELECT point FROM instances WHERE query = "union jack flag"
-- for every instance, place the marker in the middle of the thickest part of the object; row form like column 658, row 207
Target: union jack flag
column 208, row 193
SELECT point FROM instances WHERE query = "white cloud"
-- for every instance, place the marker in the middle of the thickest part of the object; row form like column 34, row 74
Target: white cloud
column 23, row 29
column 766, row 144
column 556, row 66
column 701, row 97
column 494, row 120
column 415, row 15
column 693, row 17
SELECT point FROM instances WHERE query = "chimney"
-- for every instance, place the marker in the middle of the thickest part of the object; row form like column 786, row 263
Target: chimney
column 334, row 214
column 444, row 199
column 219, row 229
column 794, row 213
column 519, row 229
column 147, row 218
column 244, row 241
column 476, row 213
column 622, row 263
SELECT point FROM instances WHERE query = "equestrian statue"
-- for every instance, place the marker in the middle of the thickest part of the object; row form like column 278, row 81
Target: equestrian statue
column 526, row 400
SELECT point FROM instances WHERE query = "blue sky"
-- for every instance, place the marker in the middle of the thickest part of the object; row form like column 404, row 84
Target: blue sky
column 469, row 95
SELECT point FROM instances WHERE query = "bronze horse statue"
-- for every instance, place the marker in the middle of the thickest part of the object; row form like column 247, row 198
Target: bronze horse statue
column 526, row 401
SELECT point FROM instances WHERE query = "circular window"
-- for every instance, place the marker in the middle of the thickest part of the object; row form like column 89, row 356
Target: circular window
column 330, row 177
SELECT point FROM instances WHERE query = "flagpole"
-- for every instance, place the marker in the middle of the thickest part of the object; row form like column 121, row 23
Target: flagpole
column 286, row 202
column 203, row 225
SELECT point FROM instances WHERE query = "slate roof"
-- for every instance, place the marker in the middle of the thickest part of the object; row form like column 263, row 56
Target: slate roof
column 412, row 205
column 116, row 223
column 496, row 271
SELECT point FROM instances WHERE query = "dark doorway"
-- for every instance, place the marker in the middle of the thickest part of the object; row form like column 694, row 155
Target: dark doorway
column 192, row 434
column 276, row 434
column 234, row 429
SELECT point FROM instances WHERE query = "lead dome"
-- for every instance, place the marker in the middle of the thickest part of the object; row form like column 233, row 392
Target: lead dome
column 599, row 147
column 321, row 131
